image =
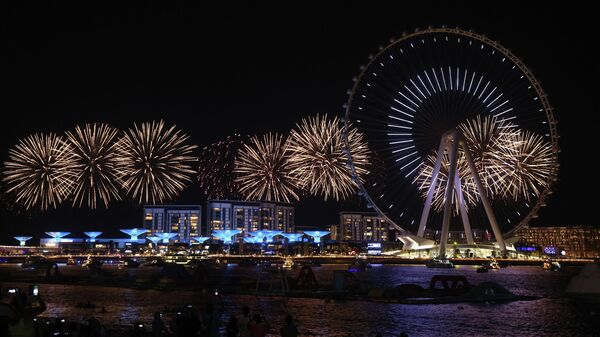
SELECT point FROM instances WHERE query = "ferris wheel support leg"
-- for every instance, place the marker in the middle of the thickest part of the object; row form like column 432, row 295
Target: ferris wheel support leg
column 430, row 192
column 463, row 209
column 452, row 146
column 484, row 199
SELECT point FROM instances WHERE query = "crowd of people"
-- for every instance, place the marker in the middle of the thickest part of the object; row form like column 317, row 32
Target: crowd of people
column 191, row 322
column 19, row 310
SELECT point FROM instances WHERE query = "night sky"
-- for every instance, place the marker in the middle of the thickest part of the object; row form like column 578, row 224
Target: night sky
column 250, row 70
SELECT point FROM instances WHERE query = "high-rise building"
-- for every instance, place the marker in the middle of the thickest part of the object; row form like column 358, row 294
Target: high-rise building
column 184, row 220
column 576, row 241
column 362, row 226
column 249, row 216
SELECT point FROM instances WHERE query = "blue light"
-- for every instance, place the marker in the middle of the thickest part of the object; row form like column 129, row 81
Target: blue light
column 166, row 236
column 226, row 234
column 92, row 235
column 259, row 235
column 22, row 239
column 154, row 239
column 253, row 239
column 57, row 236
column 200, row 239
column 134, row 233
column 271, row 233
column 292, row 237
column 317, row 235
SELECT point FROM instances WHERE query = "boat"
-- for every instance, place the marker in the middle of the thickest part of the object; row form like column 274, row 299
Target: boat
column 444, row 289
column 177, row 258
column 551, row 265
column 91, row 263
column 359, row 264
column 439, row 263
column 132, row 263
column 482, row 269
column 37, row 262
column 264, row 264
column 154, row 263
column 491, row 265
column 288, row 264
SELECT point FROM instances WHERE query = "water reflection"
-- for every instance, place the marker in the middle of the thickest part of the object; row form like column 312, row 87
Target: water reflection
column 551, row 316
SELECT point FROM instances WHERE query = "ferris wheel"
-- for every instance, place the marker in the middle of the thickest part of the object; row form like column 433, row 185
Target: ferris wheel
column 460, row 131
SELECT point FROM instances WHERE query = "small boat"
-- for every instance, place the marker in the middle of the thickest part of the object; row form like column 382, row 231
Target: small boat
column 359, row 264
column 551, row 265
column 92, row 264
column 37, row 262
column 154, row 263
column 482, row 269
column 264, row 264
column 491, row 265
column 132, row 264
column 288, row 264
column 439, row 263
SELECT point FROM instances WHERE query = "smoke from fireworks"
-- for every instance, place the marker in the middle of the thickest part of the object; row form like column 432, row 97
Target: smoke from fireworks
column 263, row 170
column 38, row 171
column 318, row 157
column 95, row 164
column 215, row 169
column 155, row 162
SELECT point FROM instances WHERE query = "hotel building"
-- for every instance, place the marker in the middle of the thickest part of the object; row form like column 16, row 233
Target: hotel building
column 362, row 226
column 181, row 219
column 249, row 216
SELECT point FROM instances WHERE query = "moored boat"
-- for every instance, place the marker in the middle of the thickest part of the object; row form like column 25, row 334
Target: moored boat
column 439, row 263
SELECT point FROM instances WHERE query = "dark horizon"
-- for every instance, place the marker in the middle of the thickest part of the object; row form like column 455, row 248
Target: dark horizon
column 250, row 70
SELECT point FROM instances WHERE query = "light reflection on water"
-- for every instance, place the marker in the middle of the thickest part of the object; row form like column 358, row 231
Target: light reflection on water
column 551, row 316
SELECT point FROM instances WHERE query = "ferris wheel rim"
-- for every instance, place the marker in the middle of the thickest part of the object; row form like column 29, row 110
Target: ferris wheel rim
column 548, row 112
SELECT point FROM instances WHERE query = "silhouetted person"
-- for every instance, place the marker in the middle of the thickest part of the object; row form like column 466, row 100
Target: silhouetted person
column 289, row 329
column 244, row 321
column 232, row 329
column 158, row 326
column 258, row 326
column 26, row 309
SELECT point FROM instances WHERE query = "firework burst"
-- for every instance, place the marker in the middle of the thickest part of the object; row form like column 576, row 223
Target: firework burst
column 215, row 169
column 38, row 171
column 319, row 159
column 95, row 164
column 526, row 165
column 486, row 138
column 155, row 162
column 263, row 170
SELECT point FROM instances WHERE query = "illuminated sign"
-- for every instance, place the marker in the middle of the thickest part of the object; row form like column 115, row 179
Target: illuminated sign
column 550, row 250
column 374, row 245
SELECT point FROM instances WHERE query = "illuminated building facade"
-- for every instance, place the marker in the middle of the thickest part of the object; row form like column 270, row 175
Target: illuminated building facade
column 576, row 241
column 182, row 220
column 479, row 236
column 362, row 226
column 249, row 216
